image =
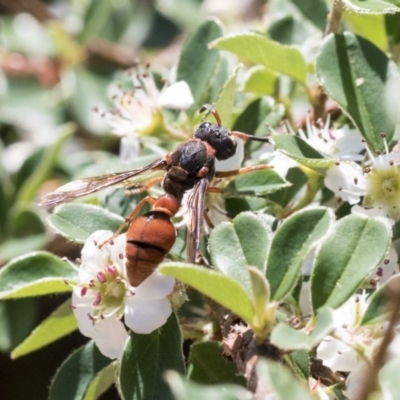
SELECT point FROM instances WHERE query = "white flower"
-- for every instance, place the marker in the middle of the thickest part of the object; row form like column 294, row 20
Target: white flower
column 352, row 343
column 347, row 180
column 343, row 143
column 138, row 112
column 281, row 163
column 379, row 183
column 103, row 295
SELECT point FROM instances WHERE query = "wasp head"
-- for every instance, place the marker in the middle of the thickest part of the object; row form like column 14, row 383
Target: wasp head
column 219, row 138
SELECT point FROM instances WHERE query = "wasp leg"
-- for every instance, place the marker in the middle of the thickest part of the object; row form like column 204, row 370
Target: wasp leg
column 143, row 188
column 245, row 170
column 215, row 189
column 208, row 220
column 129, row 219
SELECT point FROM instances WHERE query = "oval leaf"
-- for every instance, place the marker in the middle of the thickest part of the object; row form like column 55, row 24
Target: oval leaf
column 255, row 238
column 145, row 360
column 198, row 63
column 224, row 290
column 185, row 390
column 256, row 183
column 378, row 307
column 360, row 78
column 35, row 274
column 373, row 6
column 288, row 338
column 256, row 48
column 207, row 365
column 80, row 369
column 77, row 221
column 227, row 254
column 224, row 103
column 348, row 255
column 61, row 322
column 293, row 240
column 298, row 149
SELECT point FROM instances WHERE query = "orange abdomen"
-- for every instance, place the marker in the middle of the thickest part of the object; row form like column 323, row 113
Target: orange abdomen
column 148, row 240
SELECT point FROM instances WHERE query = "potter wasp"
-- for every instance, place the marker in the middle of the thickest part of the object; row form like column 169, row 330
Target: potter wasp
column 189, row 168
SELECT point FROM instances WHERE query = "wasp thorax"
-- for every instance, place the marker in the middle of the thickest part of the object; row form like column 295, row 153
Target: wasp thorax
column 218, row 137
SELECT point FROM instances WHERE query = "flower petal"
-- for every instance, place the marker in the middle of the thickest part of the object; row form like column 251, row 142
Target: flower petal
column 337, row 355
column 347, row 181
column 117, row 252
column 156, row 286
column 110, row 336
column 93, row 258
column 83, row 306
column 176, row 96
column 145, row 316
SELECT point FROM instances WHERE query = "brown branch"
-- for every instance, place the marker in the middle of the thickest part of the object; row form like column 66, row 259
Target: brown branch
column 334, row 18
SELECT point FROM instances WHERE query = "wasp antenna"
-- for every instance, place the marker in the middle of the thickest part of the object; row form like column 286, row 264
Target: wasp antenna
column 211, row 110
column 245, row 136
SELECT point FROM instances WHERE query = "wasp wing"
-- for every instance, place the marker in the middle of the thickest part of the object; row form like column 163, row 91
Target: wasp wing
column 82, row 187
column 196, row 201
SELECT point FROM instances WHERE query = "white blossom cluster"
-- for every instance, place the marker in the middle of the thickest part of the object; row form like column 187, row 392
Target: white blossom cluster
column 103, row 296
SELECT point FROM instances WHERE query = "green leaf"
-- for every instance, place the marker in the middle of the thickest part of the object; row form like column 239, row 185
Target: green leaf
column 261, row 81
column 77, row 221
column 261, row 296
column 315, row 11
column 13, row 247
column 185, row 390
column 18, row 317
column 35, row 274
column 292, row 242
column 282, row 381
column 372, row 6
column 224, row 103
column 223, row 289
column 360, row 77
column 255, row 238
column 103, row 380
column 378, row 309
column 363, row 243
column 30, row 187
column 198, row 63
column 207, row 365
column 89, row 91
column 287, row 338
column 145, row 360
column 298, row 149
column 61, row 322
column 106, row 19
column 255, row 118
column 258, row 49
column 284, row 196
column 236, row 205
column 392, row 24
column 77, row 372
column 256, row 183
column 227, row 254
column 300, row 363
column 370, row 27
